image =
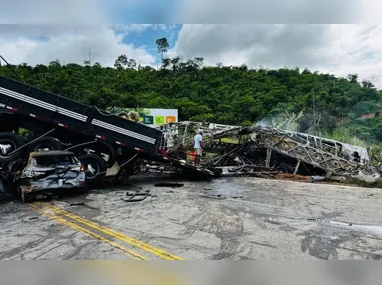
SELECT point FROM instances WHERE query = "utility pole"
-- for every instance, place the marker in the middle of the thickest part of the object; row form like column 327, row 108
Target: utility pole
column 314, row 109
column 90, row 55
column 89, row 61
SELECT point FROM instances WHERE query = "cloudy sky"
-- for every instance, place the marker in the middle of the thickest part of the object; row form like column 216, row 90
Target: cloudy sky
column 39, row 31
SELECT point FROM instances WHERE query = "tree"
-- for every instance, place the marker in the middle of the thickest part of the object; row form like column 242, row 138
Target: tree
column 234, row 95
column 166, row 62
column 353, row 78
column 121, row 61
column 367, row 84
column 243, row 67
column 131, row 63
column 162, row 45
column 199, row 61
column 175, row 63
column 55, row 64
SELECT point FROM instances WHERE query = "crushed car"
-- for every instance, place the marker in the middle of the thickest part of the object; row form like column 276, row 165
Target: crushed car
column 51, row 172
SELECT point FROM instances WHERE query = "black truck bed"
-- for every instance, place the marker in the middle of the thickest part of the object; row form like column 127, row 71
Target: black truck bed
column 57, row 111
column 31, row 101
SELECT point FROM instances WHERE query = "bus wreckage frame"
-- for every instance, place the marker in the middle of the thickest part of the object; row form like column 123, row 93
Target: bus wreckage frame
column 237, row 150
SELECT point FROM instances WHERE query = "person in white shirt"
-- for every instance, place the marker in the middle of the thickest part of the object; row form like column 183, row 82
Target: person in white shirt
column 198, row 146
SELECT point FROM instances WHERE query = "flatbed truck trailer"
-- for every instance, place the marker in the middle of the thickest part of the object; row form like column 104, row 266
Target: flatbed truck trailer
column 60, row 123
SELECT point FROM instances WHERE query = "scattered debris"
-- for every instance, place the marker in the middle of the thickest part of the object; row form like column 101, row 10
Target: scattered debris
column 314, row 220
column 207, row 189
column 314, row 179
column 168, row 184
column 77, row 204
column 294, row 177
column 138, row 196
column 273, row 175
column 170, row 191
column 32, row 218
column 218, row 196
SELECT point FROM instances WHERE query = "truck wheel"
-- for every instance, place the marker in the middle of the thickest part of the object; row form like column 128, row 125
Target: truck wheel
column 49, row 143
column 27, row 197
column 9, row 142
column 95, row 168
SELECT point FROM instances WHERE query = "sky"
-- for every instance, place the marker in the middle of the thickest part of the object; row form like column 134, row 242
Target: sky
column 40, row 31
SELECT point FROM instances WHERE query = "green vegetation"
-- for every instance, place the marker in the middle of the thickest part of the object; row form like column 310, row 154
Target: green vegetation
column 308, row 101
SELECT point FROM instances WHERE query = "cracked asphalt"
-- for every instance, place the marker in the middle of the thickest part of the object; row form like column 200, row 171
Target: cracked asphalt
column 268, row 219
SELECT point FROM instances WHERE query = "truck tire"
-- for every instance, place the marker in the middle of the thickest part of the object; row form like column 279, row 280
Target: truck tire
column 46, row 143
column 15, row 141
column 27, row 197
column 98, row 167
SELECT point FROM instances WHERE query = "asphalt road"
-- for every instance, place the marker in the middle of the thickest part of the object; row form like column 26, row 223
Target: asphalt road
column 268, row 219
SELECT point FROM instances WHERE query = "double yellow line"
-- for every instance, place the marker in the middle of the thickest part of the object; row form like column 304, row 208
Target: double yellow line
column 92, row 228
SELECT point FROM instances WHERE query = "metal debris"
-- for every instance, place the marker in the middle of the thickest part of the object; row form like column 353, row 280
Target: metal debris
column 136, row 196
column 76, row 204
column 218, row 196
column 169, row 184
column 267, row 152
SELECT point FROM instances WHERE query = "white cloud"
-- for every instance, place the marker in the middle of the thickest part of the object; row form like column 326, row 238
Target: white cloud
column 68, row 44
column 64, row 30
column 338, row 49
column 274, row 11
column 52, row 12
column 137, row 28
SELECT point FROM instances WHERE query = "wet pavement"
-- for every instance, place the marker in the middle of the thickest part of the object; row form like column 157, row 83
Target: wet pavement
column 251, row 219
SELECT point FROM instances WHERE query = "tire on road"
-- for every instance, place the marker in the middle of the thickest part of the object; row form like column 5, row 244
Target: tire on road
column 97, row 164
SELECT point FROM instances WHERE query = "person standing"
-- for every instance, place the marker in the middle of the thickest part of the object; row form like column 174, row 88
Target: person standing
column 198, row 146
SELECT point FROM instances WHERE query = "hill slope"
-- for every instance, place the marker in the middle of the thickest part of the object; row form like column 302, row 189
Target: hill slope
column 227, row 95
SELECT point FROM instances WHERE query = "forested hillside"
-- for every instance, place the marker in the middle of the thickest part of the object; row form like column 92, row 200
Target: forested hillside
column 223, row 94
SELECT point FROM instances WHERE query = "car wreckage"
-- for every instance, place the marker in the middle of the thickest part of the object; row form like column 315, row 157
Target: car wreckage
column 238, row 150
column 49, row 172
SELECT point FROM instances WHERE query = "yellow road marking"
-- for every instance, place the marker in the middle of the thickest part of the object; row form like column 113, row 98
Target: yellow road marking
column 103, row 239
column 119, row 272
column 118, row 235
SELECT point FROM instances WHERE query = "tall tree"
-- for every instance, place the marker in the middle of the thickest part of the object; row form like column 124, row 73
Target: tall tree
column 131, row 63
column 367, row 84
column 121, row 61
column 162, row 45
column 166, row 62
column 353, row 78
column 175, row 63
